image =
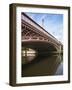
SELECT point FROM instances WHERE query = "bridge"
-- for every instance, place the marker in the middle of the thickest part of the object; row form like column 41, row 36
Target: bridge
column 36, row 37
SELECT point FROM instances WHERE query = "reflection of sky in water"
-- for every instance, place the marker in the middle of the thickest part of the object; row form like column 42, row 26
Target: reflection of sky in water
column 53, row 23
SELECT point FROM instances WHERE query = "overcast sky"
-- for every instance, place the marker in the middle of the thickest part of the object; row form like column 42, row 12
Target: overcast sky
column 53, row 23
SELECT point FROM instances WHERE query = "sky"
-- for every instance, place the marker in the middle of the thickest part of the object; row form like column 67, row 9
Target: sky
column 52, row 23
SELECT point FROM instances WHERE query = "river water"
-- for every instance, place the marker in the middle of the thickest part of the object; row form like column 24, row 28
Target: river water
column 42, row 65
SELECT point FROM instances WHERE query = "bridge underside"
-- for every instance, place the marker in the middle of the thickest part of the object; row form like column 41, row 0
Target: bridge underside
column 39, row 46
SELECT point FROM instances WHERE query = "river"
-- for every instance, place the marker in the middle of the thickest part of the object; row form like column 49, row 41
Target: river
column 42, row 65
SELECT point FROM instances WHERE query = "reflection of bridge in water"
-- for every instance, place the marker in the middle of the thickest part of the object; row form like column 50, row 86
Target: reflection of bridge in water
column 51, row 65
column 37, row 38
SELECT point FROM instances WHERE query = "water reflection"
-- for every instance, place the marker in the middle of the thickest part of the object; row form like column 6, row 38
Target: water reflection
column 28, row 55
column 42, row 65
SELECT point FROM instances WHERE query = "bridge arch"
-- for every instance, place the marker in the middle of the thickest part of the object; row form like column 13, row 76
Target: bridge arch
column 40, row 46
